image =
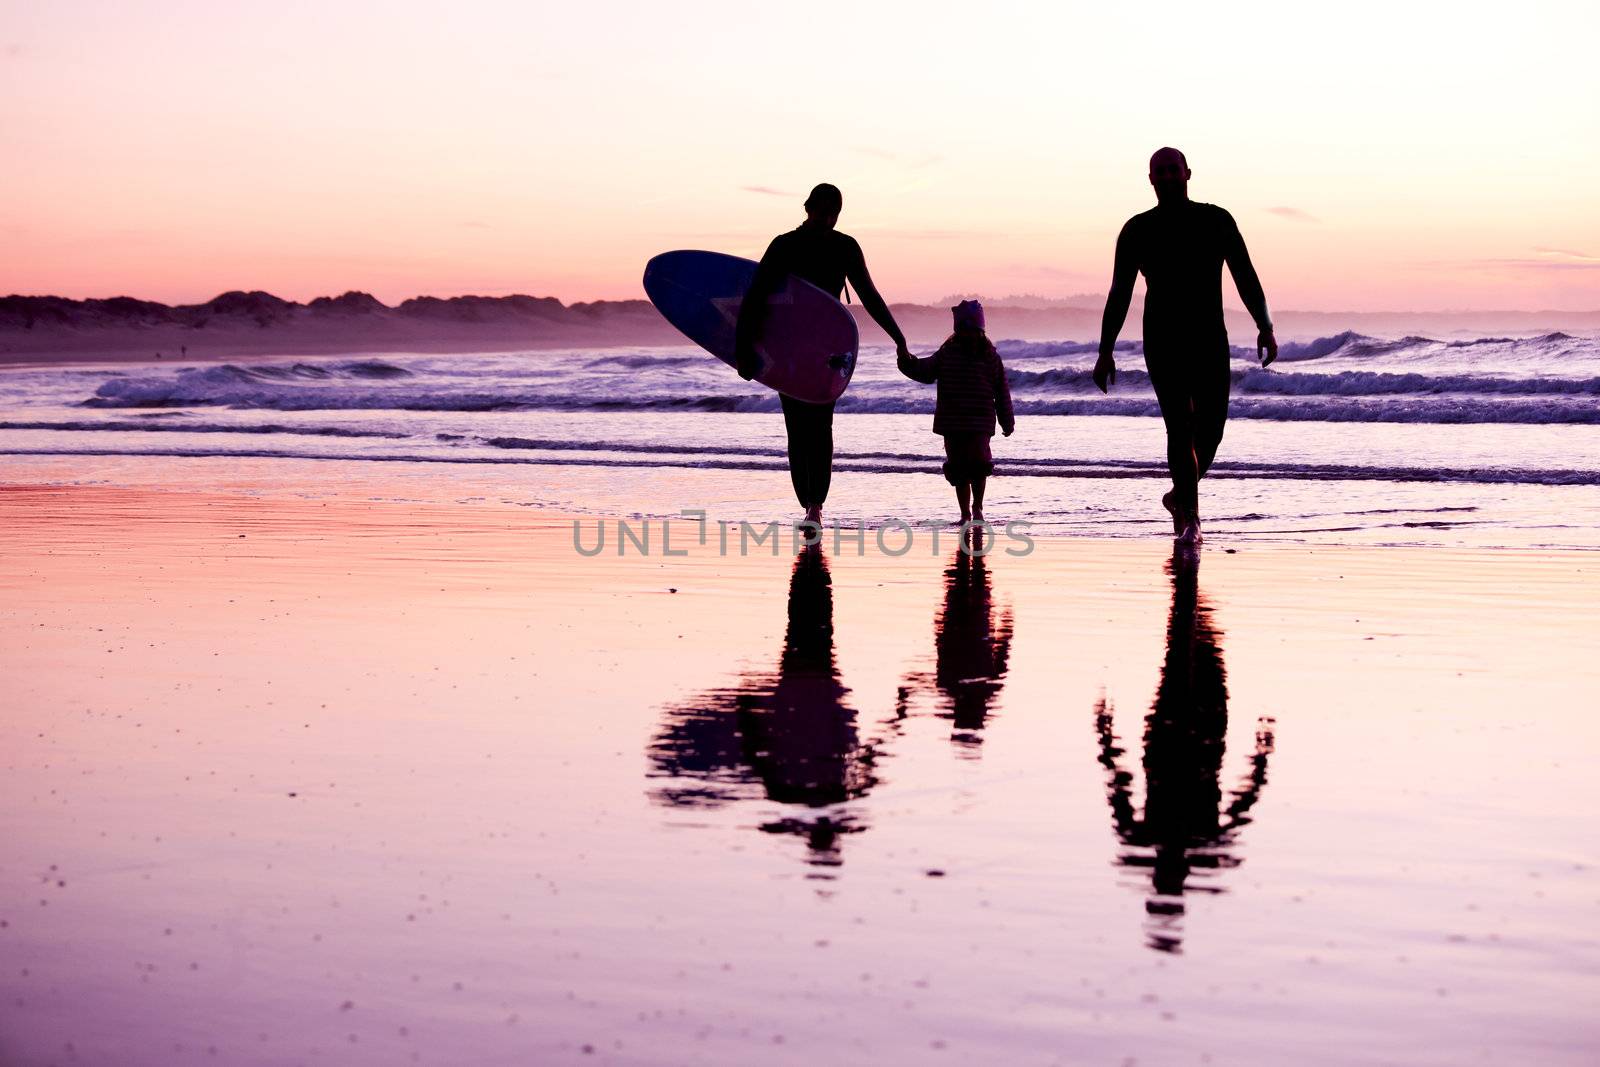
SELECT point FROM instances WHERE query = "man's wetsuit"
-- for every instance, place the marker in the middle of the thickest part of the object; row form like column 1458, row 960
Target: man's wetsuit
column 827, row 259
column 1180, row 249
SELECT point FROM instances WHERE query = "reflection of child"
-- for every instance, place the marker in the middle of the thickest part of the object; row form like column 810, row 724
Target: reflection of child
column 972, row 395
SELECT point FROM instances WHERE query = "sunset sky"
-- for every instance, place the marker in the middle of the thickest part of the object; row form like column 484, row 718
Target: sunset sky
column 1377, row 156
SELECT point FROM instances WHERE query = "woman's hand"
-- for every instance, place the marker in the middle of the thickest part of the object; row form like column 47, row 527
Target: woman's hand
column 747, row 362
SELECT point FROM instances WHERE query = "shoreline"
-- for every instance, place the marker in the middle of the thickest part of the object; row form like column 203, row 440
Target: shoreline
column 29, row 504
column 1076, row 503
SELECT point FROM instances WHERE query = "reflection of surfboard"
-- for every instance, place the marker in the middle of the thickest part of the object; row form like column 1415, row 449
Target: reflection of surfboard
column 808, row 340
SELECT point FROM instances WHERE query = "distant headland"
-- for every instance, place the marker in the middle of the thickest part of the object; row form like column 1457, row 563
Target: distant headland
column 49, row 328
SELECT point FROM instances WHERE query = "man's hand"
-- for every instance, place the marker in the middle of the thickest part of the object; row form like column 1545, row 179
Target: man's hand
column 1105, row 372
column 747, row 363
column 1266, row 348
column 1007, row 431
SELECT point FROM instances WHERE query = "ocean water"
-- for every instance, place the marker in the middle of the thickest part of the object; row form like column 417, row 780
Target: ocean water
column 1486, row 442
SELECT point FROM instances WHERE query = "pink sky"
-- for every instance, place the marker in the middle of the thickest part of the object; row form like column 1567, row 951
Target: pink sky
column 1376, row 156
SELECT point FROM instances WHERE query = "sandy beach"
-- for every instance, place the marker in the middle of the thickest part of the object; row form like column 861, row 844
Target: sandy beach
column 328, row 780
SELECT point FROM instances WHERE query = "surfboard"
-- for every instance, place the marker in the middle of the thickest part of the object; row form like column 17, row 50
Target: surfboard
column 808, row 340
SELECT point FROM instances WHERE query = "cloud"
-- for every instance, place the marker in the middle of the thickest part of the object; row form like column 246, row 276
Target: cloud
column 1546, row 259
column 1566, row 255
column 1293, row 214
column 910, row 162
column 1545, row 264
column 1047, row 271
column 897, row 233
column 765, row 190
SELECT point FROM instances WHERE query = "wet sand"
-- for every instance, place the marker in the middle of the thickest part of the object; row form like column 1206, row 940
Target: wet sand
column 339, row 782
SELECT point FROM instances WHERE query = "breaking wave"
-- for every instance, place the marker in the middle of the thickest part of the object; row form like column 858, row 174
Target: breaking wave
column 1343, row 377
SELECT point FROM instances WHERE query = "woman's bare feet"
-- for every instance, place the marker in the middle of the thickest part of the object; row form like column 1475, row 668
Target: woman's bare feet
column 1172, row 509
column 814, row 514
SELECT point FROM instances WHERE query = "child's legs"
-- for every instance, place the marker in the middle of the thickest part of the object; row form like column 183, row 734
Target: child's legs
column 967, row 464
column 964, row 500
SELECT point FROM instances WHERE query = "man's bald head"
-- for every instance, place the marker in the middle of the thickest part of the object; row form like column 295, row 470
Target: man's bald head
column 1168, row 157
column 1169, row 175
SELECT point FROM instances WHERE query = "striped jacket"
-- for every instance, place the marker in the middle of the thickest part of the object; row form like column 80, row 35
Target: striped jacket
column 972, row 388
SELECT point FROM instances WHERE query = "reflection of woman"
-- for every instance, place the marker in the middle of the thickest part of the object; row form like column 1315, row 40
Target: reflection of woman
column 805, row 738
column 1187, row 826
column 785, row 735
column 971, row 649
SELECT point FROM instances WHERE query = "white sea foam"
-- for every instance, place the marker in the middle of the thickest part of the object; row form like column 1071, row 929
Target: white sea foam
column 1457, row 412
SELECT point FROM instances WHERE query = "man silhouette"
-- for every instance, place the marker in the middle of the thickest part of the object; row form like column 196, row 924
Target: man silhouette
column 820, row 254
column 1180, row 246
column 1188, row 829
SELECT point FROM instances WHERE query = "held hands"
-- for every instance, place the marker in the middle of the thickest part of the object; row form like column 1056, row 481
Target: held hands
column 902, row 356
column 1105, row 372
column 1266, row 347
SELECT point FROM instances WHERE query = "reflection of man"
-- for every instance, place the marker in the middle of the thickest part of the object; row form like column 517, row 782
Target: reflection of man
column 789, row 730
column 821, row 255
column 1180, row 246
column 1187, row 825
